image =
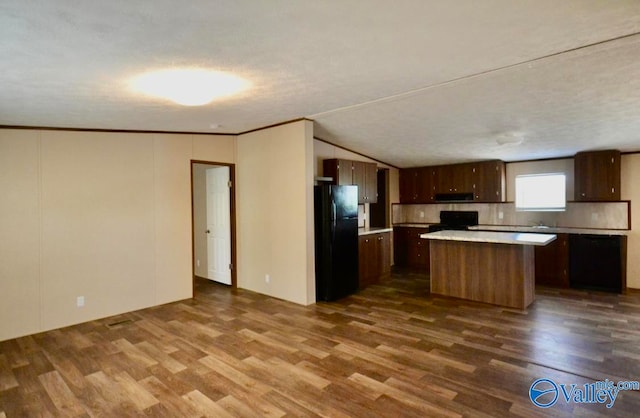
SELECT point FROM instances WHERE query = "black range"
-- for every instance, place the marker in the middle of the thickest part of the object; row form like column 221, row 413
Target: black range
column 455, row 220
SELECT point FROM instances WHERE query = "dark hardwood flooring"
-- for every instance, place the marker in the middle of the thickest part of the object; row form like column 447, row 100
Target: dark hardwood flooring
column 391, row 350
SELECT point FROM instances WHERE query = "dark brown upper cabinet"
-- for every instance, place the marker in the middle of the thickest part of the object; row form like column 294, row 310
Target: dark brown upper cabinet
column 489, row 181
column 408, row 185
column 597, row 176
column 340, row 170
column 417, row 185
column 455, row 178
column 486, row 180
column 426, row 187
column 358, row 173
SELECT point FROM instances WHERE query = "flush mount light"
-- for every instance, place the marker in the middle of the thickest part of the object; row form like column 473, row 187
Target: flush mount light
column 188, row 87
column 510, row 138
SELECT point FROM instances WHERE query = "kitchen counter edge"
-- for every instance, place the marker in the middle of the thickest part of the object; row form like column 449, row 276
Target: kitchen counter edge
column 549, row 230
column 373, row 230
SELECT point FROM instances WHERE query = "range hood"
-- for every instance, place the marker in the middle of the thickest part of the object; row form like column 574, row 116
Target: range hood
column 454, row 197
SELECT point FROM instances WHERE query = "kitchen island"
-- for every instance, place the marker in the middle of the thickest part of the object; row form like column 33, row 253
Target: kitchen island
column 490, row 267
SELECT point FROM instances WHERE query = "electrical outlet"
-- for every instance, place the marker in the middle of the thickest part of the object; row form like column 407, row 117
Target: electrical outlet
column 267, row 278
column 594, row 216
column 500, row 215
column 197, row 263
column 421, row 214
column 80, row 301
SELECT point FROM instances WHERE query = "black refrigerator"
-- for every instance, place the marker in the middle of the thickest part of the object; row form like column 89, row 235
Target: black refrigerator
column 336, row 232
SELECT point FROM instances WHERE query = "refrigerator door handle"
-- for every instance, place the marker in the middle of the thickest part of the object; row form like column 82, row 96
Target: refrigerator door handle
column 333, row 231
column 333, row 221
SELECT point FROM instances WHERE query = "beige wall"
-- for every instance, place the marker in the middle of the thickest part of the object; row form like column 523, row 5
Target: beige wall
column 106, row 216
column 20, row 307
column 630, row 189
column 275, row 212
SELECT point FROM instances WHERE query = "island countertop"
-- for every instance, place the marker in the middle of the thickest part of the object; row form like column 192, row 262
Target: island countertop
column 492, row 237
column 549, row 230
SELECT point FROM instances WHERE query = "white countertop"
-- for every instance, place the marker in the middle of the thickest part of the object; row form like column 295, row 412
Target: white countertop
column 492, row 237
column 410, row 225
column 373, row 230
column 547, row 230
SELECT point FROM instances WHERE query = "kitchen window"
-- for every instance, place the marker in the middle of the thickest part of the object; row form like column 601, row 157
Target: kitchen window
column 541, row 192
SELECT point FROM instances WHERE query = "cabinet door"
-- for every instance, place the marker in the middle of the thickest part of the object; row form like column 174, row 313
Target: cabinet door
column 340, row 170
column 371, row 260
column 456, row 178
column 552, row 263
column 366, row 178
column 359, row 179
column 489, row 181
column 365, row 245
column 401, row 246
column 443, row 179
column 362, row 261
column 418, row 249
column 597, row 175
column 425, row 185
column 462, row 178
column 371, row 182
column 384, row 254
column 408, row 185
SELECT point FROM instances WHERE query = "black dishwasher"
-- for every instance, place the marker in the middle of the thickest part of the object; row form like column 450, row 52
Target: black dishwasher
column 598, row 262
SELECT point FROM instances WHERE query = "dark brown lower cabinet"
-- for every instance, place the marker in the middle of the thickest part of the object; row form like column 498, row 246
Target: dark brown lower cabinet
column 409, row 250
column 374, row 258
column 552, row 262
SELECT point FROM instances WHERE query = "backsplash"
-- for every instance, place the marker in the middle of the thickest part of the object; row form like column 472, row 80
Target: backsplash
column 601, row 215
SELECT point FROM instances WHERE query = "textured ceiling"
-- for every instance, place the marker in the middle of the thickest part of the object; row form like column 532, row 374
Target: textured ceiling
column 412, row 83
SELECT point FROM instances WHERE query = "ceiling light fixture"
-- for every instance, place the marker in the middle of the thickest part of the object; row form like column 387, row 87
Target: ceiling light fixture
column 188, row 86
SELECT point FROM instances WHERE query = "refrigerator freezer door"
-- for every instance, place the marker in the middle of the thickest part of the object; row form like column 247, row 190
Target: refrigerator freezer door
column 345, row 199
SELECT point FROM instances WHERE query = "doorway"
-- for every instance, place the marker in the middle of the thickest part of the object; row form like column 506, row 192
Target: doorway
column 213, row 222
column 379, row 212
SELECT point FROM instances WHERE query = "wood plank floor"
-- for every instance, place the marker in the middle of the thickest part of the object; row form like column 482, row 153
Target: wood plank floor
column 391, row 350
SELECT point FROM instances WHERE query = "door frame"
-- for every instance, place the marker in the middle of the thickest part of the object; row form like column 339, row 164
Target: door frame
column 232, row 219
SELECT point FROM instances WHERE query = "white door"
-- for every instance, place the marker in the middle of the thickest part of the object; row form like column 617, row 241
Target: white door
column 218, row 225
